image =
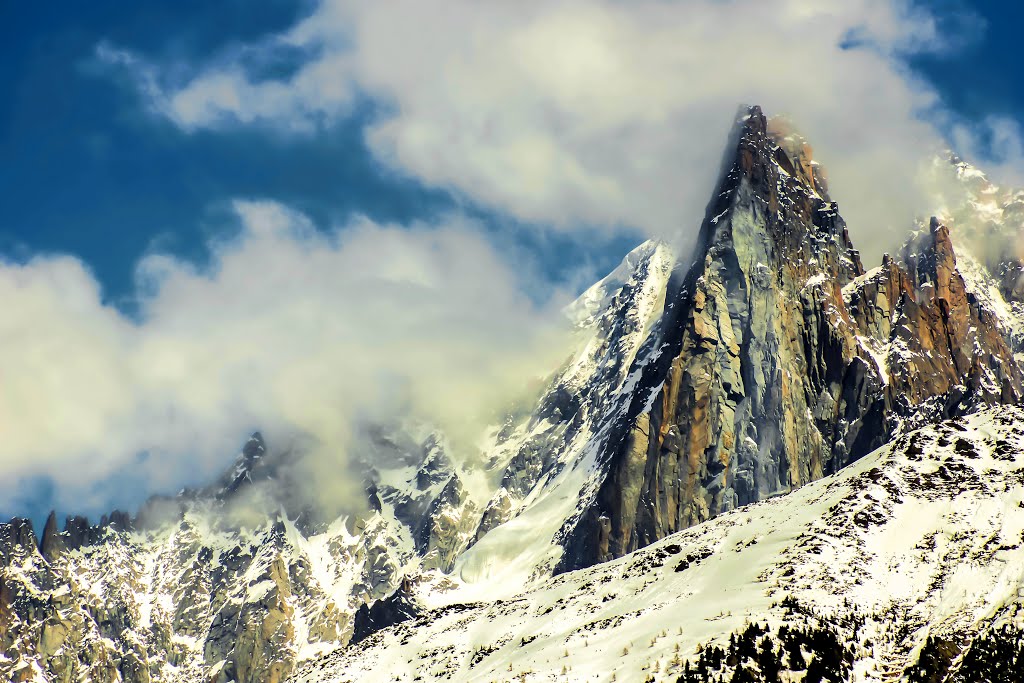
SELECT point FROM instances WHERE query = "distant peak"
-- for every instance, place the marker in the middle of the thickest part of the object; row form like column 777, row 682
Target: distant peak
column 50, row 545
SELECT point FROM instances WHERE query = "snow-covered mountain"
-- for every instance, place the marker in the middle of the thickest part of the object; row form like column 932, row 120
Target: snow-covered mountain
column 700, row 386
column 918, row 543
column 188, row 591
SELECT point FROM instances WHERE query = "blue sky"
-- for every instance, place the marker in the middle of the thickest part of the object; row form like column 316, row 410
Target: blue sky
column 95, row 169
column 983, row 78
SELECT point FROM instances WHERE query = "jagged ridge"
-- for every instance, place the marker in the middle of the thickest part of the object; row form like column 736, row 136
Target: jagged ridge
column 766, row 377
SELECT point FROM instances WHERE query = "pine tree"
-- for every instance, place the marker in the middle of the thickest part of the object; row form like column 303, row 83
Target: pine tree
column 796, row 657
column 768, row 662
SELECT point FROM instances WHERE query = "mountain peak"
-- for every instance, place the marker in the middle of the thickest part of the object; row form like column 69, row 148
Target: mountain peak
column 752, row 117
column 773, row 188
column 768, row 377
column 778, row 138
column 51, row 544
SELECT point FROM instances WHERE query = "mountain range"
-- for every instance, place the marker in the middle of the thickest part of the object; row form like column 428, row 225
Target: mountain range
column 760, row 462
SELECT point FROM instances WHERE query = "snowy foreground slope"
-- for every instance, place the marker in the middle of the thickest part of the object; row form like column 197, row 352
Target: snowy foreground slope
column 922, row 538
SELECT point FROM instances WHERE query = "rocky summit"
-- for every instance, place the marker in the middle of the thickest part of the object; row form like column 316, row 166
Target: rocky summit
column 759, row 462
column 780, row 360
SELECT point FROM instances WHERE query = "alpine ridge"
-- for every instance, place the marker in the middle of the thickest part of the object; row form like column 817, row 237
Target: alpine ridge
column 781, row 361
column 732, row 436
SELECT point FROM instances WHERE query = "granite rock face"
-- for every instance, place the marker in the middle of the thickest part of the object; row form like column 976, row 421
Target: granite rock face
column 769, row 376
column 937, row 343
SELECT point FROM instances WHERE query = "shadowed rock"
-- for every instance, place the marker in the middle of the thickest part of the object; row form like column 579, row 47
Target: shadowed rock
column 394, row 609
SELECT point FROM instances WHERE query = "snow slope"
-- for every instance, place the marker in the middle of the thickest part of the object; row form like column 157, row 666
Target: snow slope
column 922, row 537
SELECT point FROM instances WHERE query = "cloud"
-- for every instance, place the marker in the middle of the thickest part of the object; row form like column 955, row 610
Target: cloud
column 997, row 142
column 604, row 114
column 298, row 332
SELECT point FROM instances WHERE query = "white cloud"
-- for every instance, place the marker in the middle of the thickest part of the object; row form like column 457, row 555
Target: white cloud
column 605, row 113
column 290, row 330
column 997, row 143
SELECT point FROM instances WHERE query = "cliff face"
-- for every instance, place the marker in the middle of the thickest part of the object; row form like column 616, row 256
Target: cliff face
column 937, row 342
column 769, row 377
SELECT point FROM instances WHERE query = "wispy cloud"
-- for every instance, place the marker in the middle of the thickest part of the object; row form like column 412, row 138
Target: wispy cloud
column 998, row 141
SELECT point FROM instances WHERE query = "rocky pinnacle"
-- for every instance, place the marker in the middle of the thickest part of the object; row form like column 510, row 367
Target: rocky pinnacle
column 768, row 378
